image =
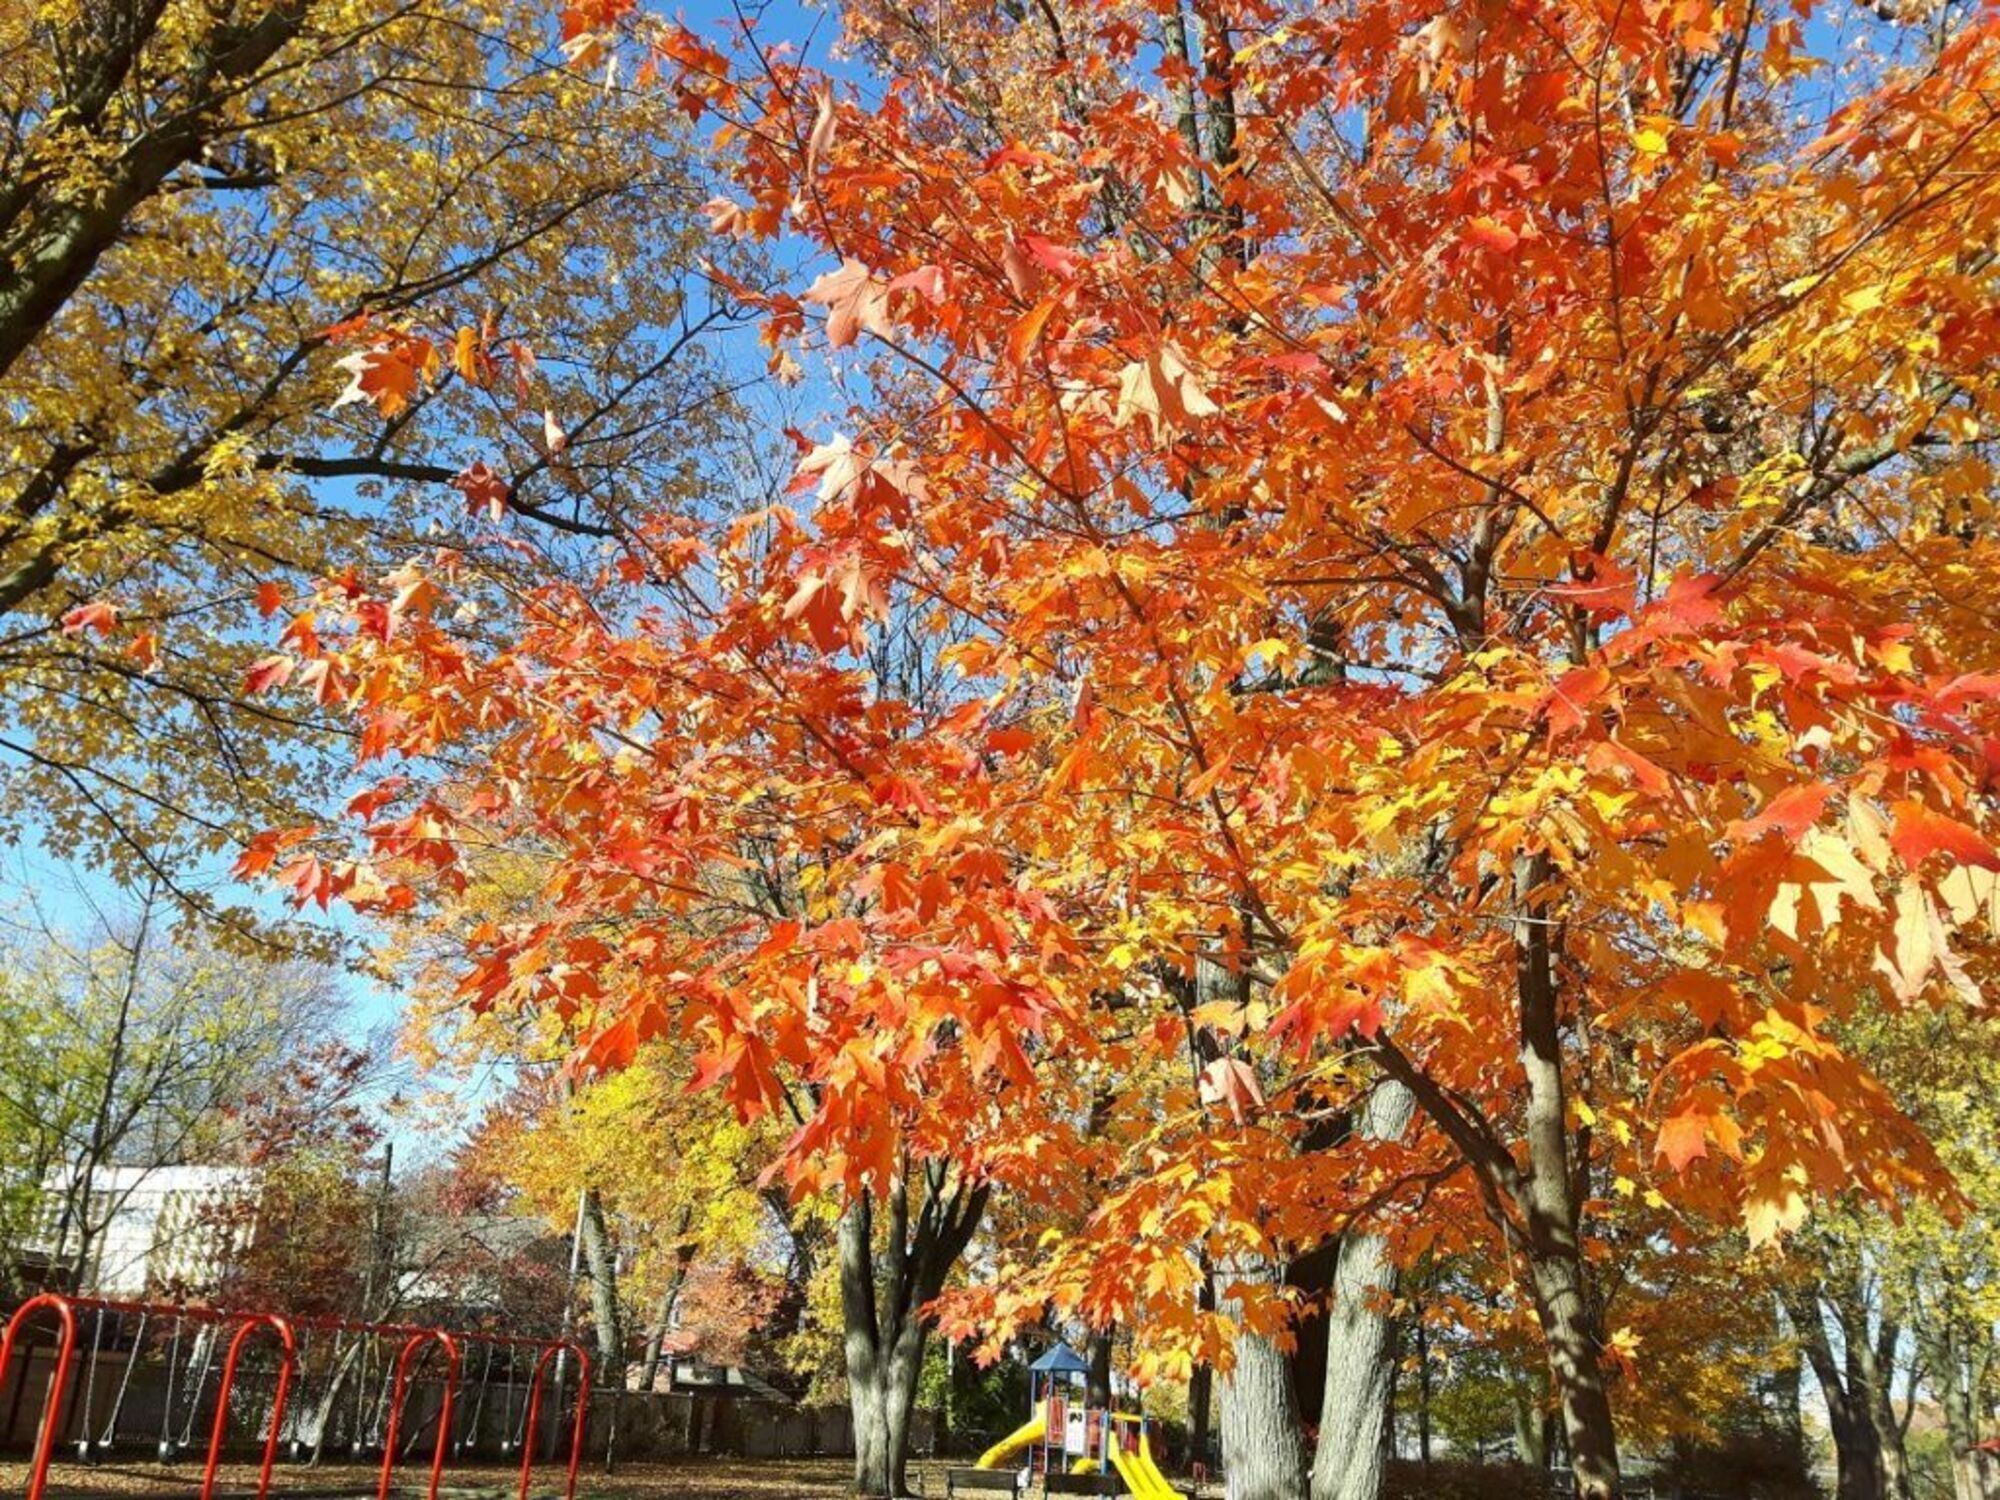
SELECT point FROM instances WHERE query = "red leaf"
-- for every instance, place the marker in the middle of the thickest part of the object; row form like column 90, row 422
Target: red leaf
column 270, row 599
column 1601, row 587
column 1792, row 812
column 1028, row 331
column 1971, row 687
column 1232, row 1083
column 1051, row 257
column 1011, row 740
column 483, row 489
column 1490, row 235
column 269, row 673
column 97, row 615
column 1921, row 832
column 1606, row 755
column 1572, row 695
column 388, row 374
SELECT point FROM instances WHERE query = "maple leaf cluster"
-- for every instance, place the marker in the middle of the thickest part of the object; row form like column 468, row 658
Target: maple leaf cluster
column 1492, row 608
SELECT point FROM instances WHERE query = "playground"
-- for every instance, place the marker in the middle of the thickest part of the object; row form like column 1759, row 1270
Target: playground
column 119, row 1398
column 688, row 1479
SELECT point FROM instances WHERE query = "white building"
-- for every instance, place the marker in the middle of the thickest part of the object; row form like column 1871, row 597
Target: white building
column 152, row 1227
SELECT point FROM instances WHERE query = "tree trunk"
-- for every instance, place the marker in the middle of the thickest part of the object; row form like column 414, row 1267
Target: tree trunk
column 1097, row 1383
column 601, row 1260
column 1857, row 1453
column 663, row 1310
column 1570, row 1330
column 1971, row 1471
column 1563, row 1300
column 1878, row 1365
column 873, row 1463
column 1531, row 1432
column 1354, row 1404
column 1423, row 1393
column 1201, row 1383
column 882, row 1312
column 1263, row 1447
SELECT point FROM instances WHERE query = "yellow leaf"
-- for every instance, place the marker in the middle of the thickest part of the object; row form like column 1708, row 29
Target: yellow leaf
column 1768, row 1215
column 1863, row 299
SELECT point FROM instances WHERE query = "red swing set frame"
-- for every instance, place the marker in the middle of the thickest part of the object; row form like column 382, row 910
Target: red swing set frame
column 417, row 1342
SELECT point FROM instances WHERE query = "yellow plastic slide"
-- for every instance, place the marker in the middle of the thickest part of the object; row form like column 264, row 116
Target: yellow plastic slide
column 1020, row 1437
column 1139, row 1474
column 1151, row 1470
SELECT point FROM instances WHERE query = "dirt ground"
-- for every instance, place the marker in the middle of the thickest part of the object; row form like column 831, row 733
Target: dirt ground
column 694, row 1479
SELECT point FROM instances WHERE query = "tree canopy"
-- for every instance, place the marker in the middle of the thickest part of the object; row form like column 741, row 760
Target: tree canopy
column 1371, row 549
column 217, row 222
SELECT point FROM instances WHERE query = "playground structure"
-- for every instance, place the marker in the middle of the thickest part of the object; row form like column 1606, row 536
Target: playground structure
column 389, row 1357
column 1068, row 1445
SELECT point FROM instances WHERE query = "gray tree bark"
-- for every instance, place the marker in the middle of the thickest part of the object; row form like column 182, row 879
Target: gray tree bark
column 663, row 1310
column 1354, row 1407
column 1551, row 1197
column 600, row 1258
column 1263, row 1444
column 1531, row 1428
column 1877, row 1363
column 882, row 1301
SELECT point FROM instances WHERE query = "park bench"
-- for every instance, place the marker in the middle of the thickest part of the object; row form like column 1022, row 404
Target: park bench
column 1092, row 1484
column 981, row 1482
column 1084, row 1484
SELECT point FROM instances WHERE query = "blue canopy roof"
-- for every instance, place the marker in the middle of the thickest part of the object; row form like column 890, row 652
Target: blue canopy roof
column 1061, row 1360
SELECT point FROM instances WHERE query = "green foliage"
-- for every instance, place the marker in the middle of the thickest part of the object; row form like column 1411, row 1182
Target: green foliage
column 130, row 1045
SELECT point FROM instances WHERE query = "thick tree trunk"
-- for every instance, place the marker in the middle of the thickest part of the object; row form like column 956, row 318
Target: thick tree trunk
column 1097, row 1383
column 883, row 1291
column 1959, row 1378
column 1857, row 1452
column 1354, row 1404
column 874, row 1464
column 1263, row 1446
column 1877, row 1361
column 1571, row 1333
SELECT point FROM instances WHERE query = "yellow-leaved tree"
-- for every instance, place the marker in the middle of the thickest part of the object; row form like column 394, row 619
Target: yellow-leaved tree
column 289, row 285
column 671, row 1179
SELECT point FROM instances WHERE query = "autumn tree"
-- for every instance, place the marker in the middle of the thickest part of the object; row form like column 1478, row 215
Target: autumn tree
column 220, row 221
column 1470, row 527
column 674, row 1183
column 308, row 1137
